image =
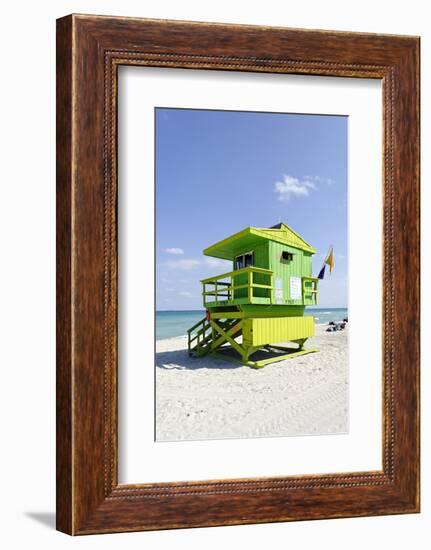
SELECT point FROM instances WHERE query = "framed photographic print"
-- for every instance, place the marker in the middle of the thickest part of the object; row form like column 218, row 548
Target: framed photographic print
column 237, row 274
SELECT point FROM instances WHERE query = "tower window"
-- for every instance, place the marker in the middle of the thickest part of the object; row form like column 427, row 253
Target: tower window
column 244, row 260
column 248, row 259
column 286, row 256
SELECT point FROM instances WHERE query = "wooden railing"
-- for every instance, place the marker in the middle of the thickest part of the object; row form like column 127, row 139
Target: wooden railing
column 224, row 288
column 198, row 335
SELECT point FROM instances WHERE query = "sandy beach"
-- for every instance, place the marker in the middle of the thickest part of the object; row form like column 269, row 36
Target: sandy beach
column 210, row 398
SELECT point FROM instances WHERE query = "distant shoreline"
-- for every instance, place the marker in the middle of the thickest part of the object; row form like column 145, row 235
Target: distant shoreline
column 307, row 308
column 185, row 335
column 319, row 330
column 175, row 323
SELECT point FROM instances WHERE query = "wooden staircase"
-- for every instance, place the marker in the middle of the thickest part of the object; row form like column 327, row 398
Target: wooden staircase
column 202, row 338
column 219, row 337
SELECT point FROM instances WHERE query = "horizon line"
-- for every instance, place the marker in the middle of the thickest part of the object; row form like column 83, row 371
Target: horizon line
column 203, row 309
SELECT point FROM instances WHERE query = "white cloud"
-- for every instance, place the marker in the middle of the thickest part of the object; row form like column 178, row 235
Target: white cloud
column 319, row 179
column 185, row 293
column 188, row 263
column 290, row 186
column 182, row 264
column 215, row 262
column 175, row 251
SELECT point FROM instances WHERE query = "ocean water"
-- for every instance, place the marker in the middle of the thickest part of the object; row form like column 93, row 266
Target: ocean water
column 170, row 324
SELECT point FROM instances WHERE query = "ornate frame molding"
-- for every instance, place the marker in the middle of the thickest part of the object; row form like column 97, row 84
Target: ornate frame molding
column 90, row 49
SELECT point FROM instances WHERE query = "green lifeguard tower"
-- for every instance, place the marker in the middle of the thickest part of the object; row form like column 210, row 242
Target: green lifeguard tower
column 261, row 303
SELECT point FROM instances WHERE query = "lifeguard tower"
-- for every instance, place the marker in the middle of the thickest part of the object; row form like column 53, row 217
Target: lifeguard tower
column 261, row 303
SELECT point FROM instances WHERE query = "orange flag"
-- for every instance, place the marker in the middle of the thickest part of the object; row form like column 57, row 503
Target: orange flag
column 330, row 259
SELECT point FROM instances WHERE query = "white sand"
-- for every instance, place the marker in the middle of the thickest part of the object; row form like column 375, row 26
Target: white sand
column 210, row 398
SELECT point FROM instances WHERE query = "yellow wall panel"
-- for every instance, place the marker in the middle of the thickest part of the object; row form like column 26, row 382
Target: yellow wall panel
column 264, row 331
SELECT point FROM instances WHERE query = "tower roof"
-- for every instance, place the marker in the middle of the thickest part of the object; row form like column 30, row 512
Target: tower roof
column 253, row 236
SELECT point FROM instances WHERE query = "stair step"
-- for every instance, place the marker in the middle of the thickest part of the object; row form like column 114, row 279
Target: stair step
column 201, row 347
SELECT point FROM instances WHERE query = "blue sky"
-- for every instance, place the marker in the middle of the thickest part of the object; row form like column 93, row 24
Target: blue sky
column 218, row 172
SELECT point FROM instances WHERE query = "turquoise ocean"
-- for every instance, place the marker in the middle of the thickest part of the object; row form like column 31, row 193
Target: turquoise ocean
column 170, row 324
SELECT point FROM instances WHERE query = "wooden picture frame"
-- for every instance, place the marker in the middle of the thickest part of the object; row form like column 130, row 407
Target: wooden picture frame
column 89, row 51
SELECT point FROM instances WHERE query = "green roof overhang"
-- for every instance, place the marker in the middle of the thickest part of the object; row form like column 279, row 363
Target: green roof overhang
column 249, row 238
